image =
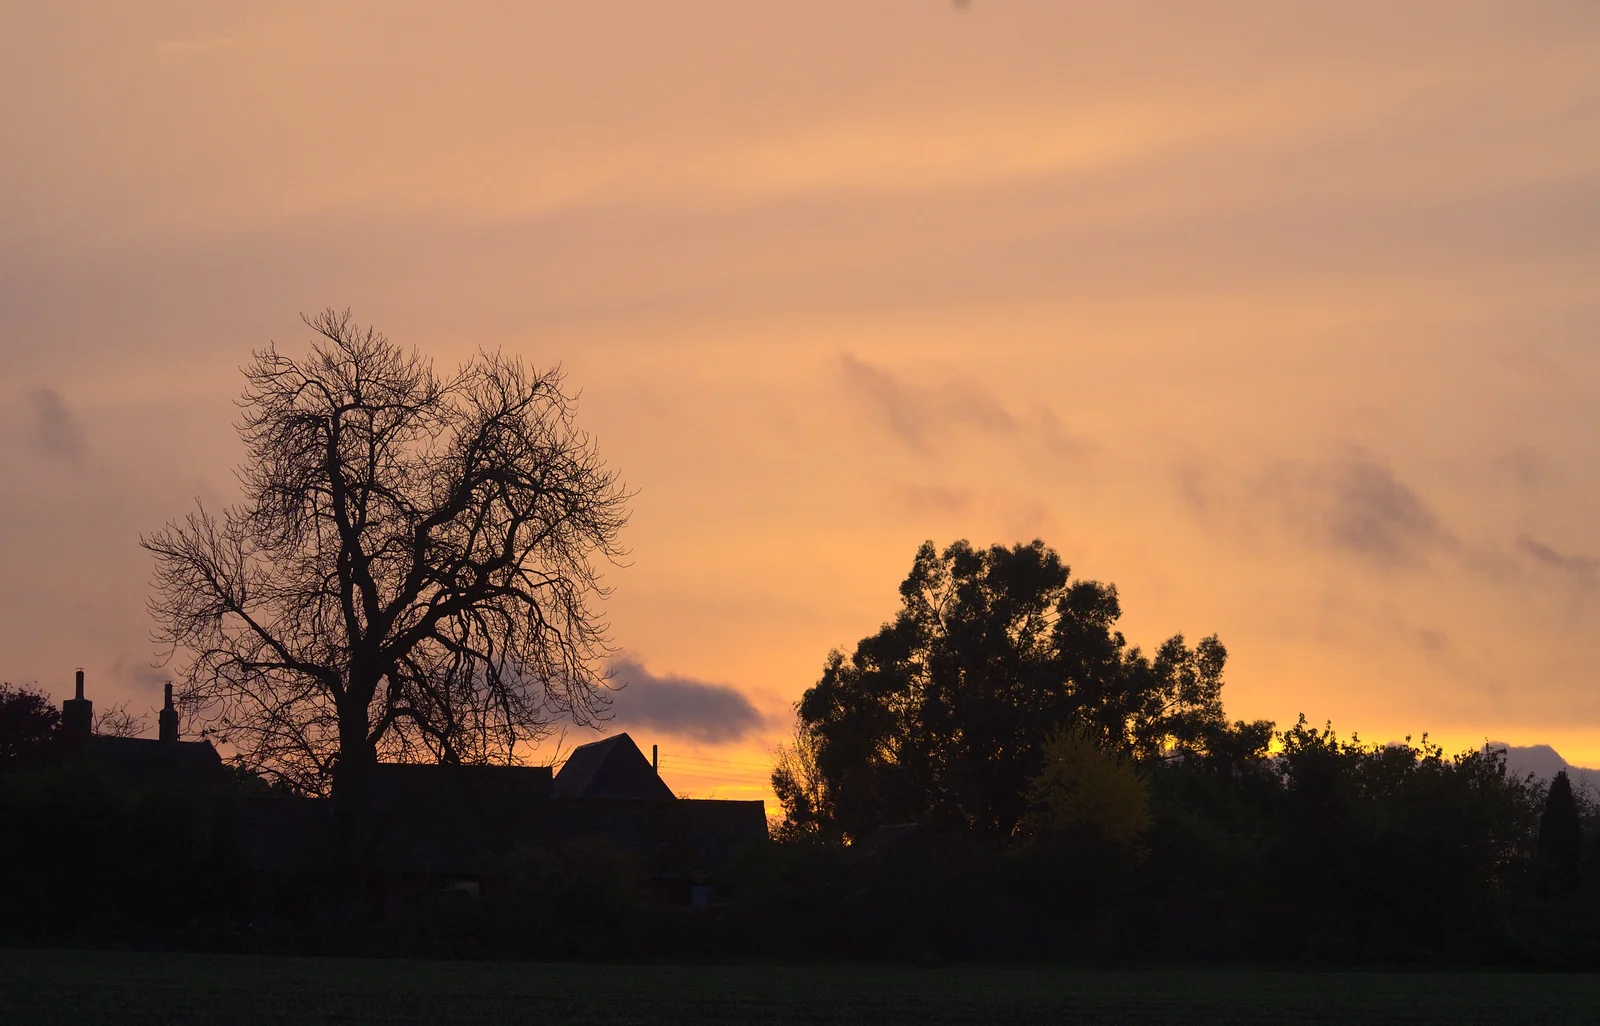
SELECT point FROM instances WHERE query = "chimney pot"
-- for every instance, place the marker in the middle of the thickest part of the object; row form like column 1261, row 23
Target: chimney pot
column 167, row 721
column 77, row 719
column 655, row 755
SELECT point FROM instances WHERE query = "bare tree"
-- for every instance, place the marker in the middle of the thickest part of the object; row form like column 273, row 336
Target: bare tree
column 411, row 572
column 117, row 721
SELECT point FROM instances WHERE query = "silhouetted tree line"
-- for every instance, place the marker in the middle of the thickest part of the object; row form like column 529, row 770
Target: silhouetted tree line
column 91, row 855
column 996, row 772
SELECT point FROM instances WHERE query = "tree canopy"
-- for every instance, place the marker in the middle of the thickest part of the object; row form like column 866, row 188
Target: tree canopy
column 1560, row 843
column 942, row 715
column 411, row 572
column 28, row 722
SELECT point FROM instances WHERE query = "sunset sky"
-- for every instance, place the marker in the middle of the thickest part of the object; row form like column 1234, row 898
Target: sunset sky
column 1285, row 318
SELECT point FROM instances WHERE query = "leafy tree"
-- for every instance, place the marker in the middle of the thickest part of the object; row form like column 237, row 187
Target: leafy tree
column 942, row 715
column 1378, row 836
column 410, row 573
column 28, row 724
column 1085, row 789
column 1173, row 701
column 798, row 785
column 1560, row 844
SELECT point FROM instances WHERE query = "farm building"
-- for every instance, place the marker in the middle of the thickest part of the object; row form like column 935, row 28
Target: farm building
column 464, row 828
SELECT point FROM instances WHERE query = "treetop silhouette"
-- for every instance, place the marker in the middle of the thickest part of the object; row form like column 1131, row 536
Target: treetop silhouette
column 943, row 714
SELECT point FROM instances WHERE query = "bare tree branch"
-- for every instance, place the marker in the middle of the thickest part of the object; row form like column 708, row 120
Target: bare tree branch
column 412, row 573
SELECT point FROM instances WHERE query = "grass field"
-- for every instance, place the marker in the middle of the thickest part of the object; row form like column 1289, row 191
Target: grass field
column 117, row 987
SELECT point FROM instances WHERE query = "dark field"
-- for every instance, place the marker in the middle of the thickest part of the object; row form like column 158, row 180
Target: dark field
column 96, row 987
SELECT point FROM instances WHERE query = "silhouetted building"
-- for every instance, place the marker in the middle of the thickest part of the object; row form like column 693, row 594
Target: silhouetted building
column 611, row 768
column 77, row 719
column 168, row 733
column 449, row 827
column 465, row 828
column 165, row 755
column 438, row 826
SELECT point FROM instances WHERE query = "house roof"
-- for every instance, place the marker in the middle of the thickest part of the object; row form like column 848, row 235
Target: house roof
column 145, row 755
column 474, row 820
column 470, row 788
column 612, row 768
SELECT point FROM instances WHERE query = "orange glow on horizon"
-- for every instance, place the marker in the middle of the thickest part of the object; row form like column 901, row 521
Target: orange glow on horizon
column 1280, row 319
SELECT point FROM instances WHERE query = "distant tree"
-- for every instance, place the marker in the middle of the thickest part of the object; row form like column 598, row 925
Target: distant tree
column 410, row 574
column 942, row 715
column 801, row 792
column 1560, row 846
column 28, row 724
column 1083, row 788
column 1378, row 835
column 117, row 721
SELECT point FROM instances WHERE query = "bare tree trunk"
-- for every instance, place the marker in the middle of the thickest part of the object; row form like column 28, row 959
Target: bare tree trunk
column 355, row 825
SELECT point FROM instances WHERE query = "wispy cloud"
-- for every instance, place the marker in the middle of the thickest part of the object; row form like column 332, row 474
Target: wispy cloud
column 914, row 414
column 1353, row 504
column 1433, row 640
column 1369, row 512
column 701, row 711
column 919, row 414
column 928, row 498
column 54, row 431
column 1525, row 466
column 1016, row 515
column 1581, row 568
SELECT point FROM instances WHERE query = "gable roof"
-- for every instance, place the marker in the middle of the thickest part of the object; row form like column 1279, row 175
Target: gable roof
column 148, row 755
column 449, row 785
column 612, row 768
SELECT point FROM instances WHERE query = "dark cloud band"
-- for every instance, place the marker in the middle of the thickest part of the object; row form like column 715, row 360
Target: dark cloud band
column 714, row 713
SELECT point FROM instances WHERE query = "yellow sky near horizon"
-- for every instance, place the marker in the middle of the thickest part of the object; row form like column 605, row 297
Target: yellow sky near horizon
column 1283, row 318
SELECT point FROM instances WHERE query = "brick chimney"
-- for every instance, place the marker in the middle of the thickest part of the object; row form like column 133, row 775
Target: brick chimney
column 77, row 718
column 169, row 720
